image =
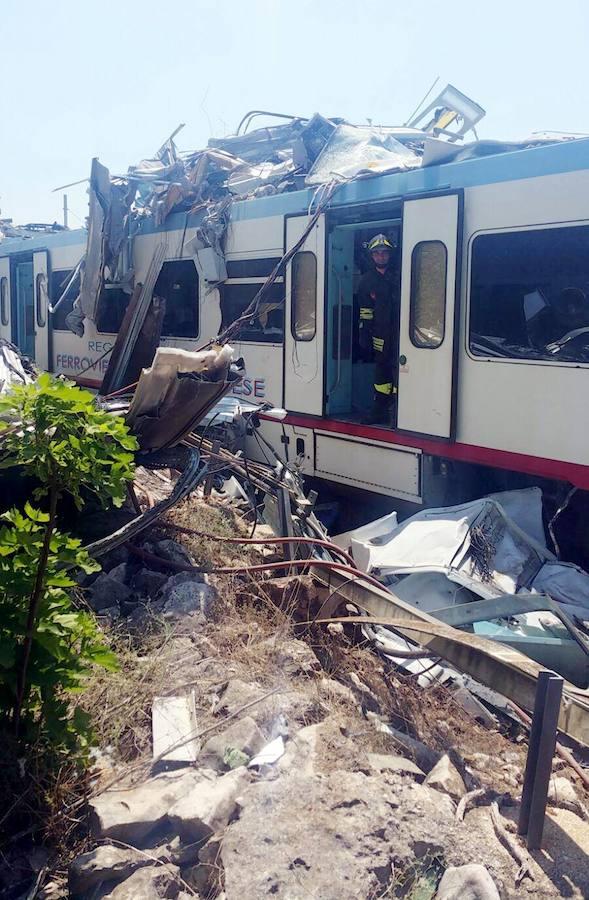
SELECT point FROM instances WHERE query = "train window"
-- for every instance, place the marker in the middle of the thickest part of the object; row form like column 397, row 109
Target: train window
column 177, row 283
column 4, row 318
column 268, row 325
column 57, row 285
column 529, row 294
column 304, row 296
column 252, row 268
column 41, row 299
column 428, row 294
column 111, row 308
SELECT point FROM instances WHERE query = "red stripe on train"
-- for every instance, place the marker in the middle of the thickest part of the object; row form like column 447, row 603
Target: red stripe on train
column 484, row 456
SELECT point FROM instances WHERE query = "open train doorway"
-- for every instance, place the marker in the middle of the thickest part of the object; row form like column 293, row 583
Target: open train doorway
column 349, row 357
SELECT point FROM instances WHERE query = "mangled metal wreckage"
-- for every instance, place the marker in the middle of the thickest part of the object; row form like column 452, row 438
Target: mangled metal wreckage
column 472, row 568
column 300, row 153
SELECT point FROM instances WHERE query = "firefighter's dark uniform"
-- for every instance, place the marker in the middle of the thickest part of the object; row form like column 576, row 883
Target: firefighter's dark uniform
column 378, row 297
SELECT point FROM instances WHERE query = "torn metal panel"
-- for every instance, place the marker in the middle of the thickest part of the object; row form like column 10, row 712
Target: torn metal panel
column 352, row 151
column 176, row 392
column 133, row 325
column 459, row 563
column 108, row 207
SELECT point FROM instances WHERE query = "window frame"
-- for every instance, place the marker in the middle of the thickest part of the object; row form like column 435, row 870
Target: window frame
column 412, row 294
column 295, row 337
column 40, row 314
column 511, row 361
column 263, row 264
column 178, row 337
column 4, row 304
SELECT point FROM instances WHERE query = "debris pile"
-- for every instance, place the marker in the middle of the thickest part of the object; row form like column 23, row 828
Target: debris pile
column 267, row 749
column 484, row 567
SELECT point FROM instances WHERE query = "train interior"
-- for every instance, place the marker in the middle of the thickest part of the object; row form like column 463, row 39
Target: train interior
column 349, row 370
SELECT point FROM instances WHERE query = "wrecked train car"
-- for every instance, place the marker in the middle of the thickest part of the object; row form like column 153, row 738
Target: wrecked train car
column 492, row 245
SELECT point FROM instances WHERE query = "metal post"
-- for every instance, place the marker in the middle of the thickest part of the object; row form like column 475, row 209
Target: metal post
column 65, row 210
column 540, row 755
column 285, row 519
column 544, row 765
column 532, row 758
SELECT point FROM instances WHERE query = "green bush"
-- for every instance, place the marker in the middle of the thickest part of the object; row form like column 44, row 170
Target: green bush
column 66, row 641
column 57, row 433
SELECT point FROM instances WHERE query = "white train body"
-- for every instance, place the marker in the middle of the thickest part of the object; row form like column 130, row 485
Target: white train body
column 484, row 244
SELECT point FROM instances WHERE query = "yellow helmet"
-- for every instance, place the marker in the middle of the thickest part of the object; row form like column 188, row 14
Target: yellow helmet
column 378, row 241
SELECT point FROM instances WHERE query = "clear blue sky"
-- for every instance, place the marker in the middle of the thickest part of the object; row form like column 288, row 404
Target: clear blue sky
column 113, row 79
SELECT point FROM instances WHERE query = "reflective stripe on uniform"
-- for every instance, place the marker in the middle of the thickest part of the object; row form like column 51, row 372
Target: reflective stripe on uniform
column 387, row 388
column 366, row 312
column 378, row 344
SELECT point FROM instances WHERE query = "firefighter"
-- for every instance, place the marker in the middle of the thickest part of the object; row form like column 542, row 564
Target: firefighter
column 378, row 294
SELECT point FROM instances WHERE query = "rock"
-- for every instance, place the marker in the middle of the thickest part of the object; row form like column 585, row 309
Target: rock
column 204, row 875
column 54, row 890
column 183, row 577
column 208, row 807
column 107, row 592
column 130, row 815
column 172, row 551
column 187, row 596
column 294, row 657
column 425, row 758
column 121, row 572
column 445, row 777
column 334, row 836
column 114, row 557
column 105, row 863
column 150, row 883
column 387, row 762
column 330, row 688
column 148, row 582
column 243, row 736
column 111, row 613
column 293, row 705
column 471, row 882
column 313, row 749
column 562, row 793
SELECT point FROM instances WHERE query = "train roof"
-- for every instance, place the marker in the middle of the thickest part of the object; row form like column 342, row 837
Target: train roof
column 478, row 163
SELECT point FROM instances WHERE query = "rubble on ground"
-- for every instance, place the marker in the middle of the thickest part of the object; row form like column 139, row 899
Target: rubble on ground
column 248, row 747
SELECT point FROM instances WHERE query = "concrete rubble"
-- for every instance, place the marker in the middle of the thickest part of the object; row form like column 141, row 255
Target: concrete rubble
column 343, row 793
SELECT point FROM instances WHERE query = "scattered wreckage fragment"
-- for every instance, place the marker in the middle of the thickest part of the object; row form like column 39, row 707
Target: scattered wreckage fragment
column 472, row 566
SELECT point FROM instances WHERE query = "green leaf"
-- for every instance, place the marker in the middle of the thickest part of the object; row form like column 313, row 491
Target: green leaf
column 35, row 514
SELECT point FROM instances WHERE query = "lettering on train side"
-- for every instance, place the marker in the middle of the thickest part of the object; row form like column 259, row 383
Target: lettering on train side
column 71, row 362
column 251, row 387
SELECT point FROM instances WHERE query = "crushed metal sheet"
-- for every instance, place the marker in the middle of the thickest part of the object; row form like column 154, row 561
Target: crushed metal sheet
column 176, row 392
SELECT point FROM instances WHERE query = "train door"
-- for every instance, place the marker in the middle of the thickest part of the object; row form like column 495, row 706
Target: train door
column 41, row 296
column 5, row 326
column 23, row 307
column 430, row 271
column 304, row 326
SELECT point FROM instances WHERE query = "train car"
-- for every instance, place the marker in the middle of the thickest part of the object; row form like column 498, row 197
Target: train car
column 493, row 256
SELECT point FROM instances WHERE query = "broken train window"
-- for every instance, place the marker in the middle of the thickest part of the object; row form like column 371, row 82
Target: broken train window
column 529, row 294
column 109, row 312
column 238, row 291
column 178, row 284
column 57, row 284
